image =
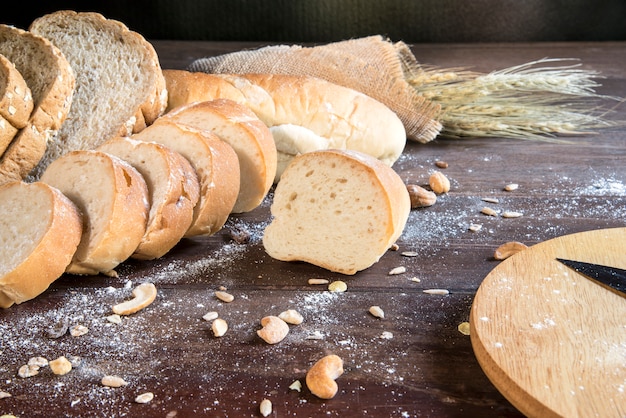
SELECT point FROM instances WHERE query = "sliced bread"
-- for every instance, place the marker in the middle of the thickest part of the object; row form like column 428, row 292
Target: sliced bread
column 16, row 102
column 173, row 189
column 51, row 81
column 119, row 84
column 113, row 198
column 250, row 138
column 40, row 229
column 216, row 165
column 336, row 209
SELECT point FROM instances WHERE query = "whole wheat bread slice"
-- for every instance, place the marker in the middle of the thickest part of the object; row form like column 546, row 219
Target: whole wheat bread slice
column 120, row 88
column 51, row 81
column 16, row 102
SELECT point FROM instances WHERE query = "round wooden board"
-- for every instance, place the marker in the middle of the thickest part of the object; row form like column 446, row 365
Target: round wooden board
column 552, row 341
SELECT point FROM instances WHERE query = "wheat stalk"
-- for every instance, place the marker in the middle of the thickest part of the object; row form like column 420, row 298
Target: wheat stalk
column 535, row 100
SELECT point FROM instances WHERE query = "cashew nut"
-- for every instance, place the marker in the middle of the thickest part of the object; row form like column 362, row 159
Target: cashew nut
column 144, row 295
column 320, row 378
column 274, row 329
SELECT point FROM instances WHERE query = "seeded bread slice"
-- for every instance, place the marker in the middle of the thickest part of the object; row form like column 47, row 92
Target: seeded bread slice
column 216, row 165
column 340, row 210
column 51, row 81
column 173, row 189
column 120, row 88
column 16, row 102
column 42, row 229
column 251, row 139
column 113, row 198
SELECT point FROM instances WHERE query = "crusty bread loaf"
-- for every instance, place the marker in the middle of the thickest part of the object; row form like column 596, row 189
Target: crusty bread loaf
column 16, row 102
column 346, row 118
column 40, row 229
column 216, row 165
column 51, row 81
column 119, row 85
column 173, row 189
column 113, row 198
column 337, row 209
column 246, row 134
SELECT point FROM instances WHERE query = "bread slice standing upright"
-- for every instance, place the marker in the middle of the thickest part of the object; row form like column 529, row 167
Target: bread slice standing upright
column 336, row 209
column 16, row 102
column 51, row 81
column 40, row 229
column 113, row 198
column 250, row 138
column 173, row 189
column 120, row 88
column 216, row 165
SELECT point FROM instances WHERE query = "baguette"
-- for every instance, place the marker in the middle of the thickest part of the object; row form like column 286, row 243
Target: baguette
column 216, row 165
column 173, row 189
column 51, row 81
column 119, row 85
column 246, row 134
column 336, row 209
column 16, row 102
column 113, row 198
column 42, row 229
column 346, row 118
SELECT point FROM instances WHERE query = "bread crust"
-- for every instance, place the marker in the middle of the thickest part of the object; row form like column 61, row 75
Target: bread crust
column 53, row 252
column 126, row 215
column 312, row 231
column 214, row 162
column 51, row 81
column 138, row 99
column 252, row 142
column 347, row 118
column 171, row 213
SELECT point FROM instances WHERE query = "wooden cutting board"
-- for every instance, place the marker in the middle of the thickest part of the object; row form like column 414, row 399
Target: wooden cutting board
column 552, row 341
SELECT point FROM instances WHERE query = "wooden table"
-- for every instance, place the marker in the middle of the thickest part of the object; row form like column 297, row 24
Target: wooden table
column 423, row 367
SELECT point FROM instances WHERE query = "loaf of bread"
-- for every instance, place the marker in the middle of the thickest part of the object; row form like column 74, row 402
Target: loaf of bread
column 113, row 199
column 246, row 134
column 51, row 81
column 173, row 189
column 216, row 165
column 119, row 85
column 40, row 229
column 346, row 118
column 336, row 209
column 16, row 102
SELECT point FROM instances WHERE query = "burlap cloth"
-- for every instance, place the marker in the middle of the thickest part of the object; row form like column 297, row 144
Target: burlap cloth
column 372, row 65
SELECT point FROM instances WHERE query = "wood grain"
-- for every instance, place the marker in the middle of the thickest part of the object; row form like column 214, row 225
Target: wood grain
column 427, row 368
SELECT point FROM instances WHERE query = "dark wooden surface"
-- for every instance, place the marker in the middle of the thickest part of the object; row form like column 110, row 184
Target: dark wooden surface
column 426, row 369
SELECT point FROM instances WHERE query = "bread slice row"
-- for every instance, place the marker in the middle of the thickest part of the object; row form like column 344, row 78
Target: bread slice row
column 51, row 83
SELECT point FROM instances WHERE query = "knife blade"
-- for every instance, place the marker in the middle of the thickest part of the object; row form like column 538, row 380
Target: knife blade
column 613, row 277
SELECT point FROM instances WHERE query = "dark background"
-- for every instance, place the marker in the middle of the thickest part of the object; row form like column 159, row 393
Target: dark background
column 412, row 21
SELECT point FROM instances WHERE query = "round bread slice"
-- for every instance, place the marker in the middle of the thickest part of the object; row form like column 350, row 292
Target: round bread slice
column 113, row 198
column 251, row 139
column 16, row 102
column 216, row 165
column 173, row 188
column 40, row 229
column 336, row 209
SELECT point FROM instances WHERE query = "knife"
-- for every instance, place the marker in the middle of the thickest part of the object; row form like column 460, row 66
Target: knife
column 612, row 277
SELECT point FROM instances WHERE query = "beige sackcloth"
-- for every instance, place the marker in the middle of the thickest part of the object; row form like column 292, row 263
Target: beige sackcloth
column 371, row 65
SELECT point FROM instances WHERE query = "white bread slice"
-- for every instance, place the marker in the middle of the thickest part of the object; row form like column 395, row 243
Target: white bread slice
column 250, row 138
column 16, row 102
column 113, row 198
column 347, row 118
column 51, row 81
column 119, row 85
column 336, row 209
column 173, row 189
column 40, row 229
column 216, row 165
